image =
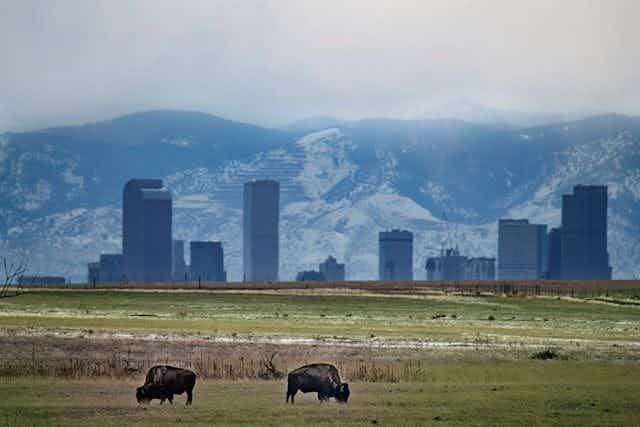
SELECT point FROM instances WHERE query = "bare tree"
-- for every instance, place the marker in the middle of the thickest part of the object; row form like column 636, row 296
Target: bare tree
column 10, row 274
column 269, row 370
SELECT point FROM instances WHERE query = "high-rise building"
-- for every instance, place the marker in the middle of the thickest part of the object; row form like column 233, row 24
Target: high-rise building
column 111, row 268
column 146, row 231
column 260, row 230
column 179, row 269
column 584, row 252
column 332, row 270
column 395, row 255
column 207, row 261
column 554, row 266
column 521, row 249
column 450, row 265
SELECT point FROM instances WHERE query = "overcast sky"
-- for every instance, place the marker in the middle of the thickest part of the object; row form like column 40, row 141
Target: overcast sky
column 270, row 62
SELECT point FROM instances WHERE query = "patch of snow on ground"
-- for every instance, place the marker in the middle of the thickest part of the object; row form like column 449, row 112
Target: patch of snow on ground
column 326, row 162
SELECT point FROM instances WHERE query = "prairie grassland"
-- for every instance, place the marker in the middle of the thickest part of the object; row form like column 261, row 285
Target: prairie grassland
column 497, row 319
column 540, row 393
column 70, row 357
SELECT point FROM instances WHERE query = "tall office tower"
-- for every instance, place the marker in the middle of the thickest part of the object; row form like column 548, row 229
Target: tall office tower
column 395, row 255
column 111, row 269
column 146, row 230
column 584, row 233
column 179, row 268
column 332, row 270
column 260, row 230
column 207, row 261
column 521, row 249
column 554, row 266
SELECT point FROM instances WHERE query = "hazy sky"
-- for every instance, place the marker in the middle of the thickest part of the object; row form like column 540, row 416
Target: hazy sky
column 273, row 61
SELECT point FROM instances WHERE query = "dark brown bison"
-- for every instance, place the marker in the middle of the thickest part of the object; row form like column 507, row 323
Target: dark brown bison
column 320, row 378
column 163, row 382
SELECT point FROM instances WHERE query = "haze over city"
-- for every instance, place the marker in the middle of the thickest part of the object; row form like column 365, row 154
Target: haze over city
column 274, row 62
column 306, row 212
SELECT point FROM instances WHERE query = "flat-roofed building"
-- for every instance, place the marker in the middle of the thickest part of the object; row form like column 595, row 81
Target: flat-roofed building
column 261, row 216
column 521, row 249
column 207, row 261
column 584, row 253
column 395, row 255
column 133, row 227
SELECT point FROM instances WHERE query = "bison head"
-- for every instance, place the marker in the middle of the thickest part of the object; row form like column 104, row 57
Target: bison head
column 142, row 396
column 342, row 393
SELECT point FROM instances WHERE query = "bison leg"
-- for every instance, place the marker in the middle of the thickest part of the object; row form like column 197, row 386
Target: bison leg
column 162, row 400
column 291, row 390
column 170, row 397
column 189, row 397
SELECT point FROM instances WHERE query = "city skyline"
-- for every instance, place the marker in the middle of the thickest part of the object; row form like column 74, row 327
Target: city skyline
column 575, row 250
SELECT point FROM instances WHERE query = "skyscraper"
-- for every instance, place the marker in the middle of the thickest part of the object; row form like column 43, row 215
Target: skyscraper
column 332, row 270
column 521, row 249
column 146, row 230
column 584, row 233
column 260, row 230
column 207, row 261
column 450, row 265
column 395, row 255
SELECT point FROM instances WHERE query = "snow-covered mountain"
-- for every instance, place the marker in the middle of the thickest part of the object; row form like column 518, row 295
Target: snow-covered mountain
column 446, row 180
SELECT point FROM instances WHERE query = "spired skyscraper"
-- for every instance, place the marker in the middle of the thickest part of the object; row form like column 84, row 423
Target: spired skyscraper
column 146, row 231
column 395, row 255
column 583, row 244
column 261, row 215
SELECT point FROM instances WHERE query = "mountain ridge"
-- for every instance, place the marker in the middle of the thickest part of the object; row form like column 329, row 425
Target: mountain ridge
column 55, row 187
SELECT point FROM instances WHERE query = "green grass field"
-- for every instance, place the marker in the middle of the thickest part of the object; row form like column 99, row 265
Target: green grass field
column 50, row 348
column 536, row 393
column 437, row 317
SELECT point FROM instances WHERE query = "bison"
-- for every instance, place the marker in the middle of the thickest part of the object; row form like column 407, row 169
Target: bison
column 321, row 378
column 163, row 382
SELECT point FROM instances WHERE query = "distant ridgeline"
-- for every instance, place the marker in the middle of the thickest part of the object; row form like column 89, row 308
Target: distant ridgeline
column 448, row 182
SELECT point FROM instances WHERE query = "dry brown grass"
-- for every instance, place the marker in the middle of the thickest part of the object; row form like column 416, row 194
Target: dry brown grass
column 510, row 287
